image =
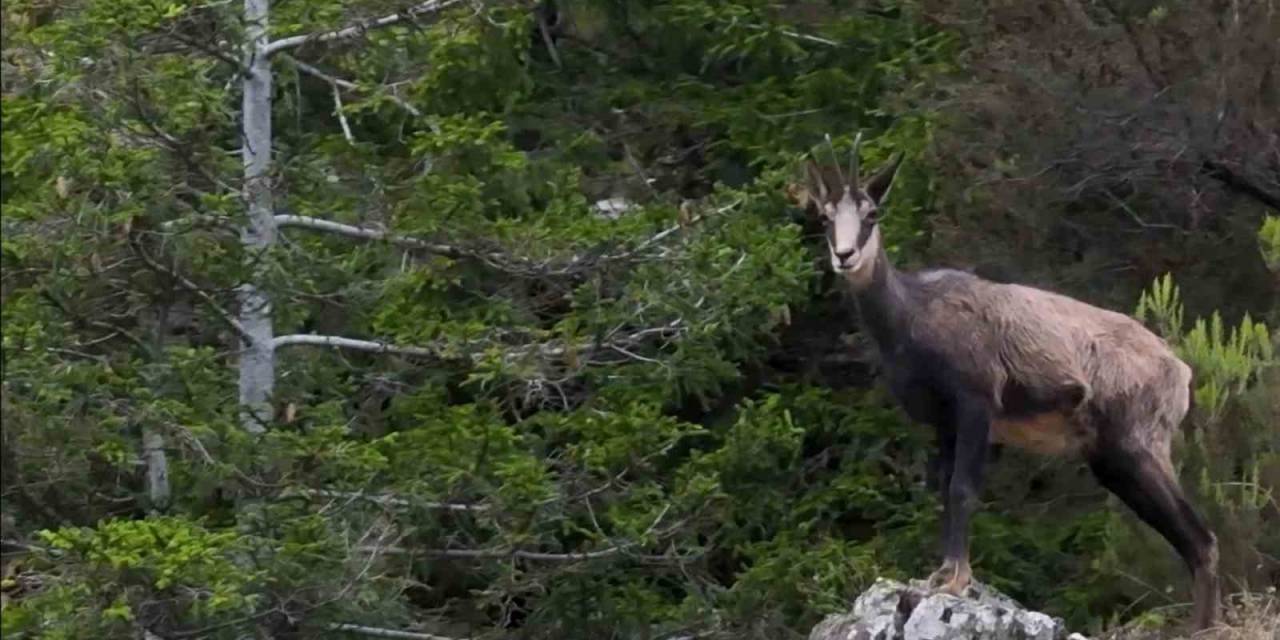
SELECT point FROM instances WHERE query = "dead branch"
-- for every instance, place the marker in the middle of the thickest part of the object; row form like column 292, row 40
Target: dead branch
column 547, row 40
column 477, row 347
column 376, row 632
column 365, row 233
column 498, row 260
column 192, row 288
column 341, row 113
column 347, row 84
column 524, row 555
column 213, row 50
column 360, row 28
column 389, row 500
column 538, row 556
column 353, row 344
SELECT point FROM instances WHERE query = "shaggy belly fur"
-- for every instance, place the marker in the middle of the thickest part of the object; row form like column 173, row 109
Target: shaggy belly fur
column 1045, row 433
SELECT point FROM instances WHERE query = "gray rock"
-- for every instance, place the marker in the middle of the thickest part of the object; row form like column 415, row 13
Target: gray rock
column 613, row 208
column 891, row 610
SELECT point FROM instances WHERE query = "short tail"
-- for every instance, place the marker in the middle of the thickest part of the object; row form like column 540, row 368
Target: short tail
column 1185, row 377
column 1191, row 391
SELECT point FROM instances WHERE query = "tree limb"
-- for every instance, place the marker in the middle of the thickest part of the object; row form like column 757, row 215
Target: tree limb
column 496, row 554
column 547, row 40
column 390, row 500
column 377, row 632
column 810, row 38
column 496, row 259
column 194, row 289
column 1236, row 182
column 797, row 35
column 527, row 555
column 210, row 49
column 353, row 344
column 546, row 350
column 347, row 84
column 359, row 29
column 342, row 116
column 365, row 233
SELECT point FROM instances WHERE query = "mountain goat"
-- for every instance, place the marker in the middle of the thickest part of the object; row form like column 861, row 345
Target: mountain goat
column 1001, row 363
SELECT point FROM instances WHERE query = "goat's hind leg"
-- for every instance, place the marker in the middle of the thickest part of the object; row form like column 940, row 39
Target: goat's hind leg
column 1145, row 481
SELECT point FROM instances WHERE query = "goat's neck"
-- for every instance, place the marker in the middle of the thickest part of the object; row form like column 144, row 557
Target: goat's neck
column 882, row 302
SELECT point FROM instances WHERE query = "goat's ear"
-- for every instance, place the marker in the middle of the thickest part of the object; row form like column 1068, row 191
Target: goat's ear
column 798, row 194
column 878, row 185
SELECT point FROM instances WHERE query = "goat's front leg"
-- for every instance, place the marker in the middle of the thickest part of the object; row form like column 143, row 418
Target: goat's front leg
column 960, row 493
column 941, row 466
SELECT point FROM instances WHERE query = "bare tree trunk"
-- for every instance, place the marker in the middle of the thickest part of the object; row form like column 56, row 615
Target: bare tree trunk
column 257, row 336
column 257, row 357
column 157, row 462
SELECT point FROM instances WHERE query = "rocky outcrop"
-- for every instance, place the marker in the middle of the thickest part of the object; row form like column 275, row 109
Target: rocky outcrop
column 891, row 610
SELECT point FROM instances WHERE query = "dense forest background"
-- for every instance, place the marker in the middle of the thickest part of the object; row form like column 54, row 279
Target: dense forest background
column 549, row 351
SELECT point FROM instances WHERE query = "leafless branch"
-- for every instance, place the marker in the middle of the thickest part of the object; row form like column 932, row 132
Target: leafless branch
column 810, row 38
column 496, row 259
column 524, row 555
column 547, row 41
column 377, row 632
column 199, row 221
column 78, row 354
column 359, row 29
column 390, row 500
column 210, row 49
column 538, row 556
column 194, row 289
column 1124, row 206
column 353, row 344
column 497, row 553
column 640, row 172
column 476, row 348
column 342, row 116
column 365, row 233
column 347, row 84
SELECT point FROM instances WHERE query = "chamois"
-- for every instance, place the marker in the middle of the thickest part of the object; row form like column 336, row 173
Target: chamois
column 986, row 363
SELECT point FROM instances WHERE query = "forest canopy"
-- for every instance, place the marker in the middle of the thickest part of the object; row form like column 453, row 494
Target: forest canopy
column 483, row 318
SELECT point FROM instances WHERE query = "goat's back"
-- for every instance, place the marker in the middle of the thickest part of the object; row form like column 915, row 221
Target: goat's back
column 1012, row 341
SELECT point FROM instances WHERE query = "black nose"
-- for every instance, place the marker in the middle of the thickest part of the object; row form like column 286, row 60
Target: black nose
column 844, row 255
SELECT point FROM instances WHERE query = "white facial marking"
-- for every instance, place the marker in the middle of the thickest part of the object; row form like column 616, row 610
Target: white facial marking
column 845, row 226
column 848, row 218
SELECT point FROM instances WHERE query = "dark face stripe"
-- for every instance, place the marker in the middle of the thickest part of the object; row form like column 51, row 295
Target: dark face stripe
column 864, row 233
